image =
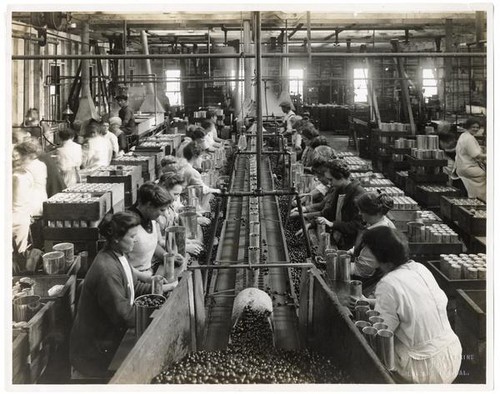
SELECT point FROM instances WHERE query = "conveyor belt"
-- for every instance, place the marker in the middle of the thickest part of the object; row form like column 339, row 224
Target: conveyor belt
column 233, row 247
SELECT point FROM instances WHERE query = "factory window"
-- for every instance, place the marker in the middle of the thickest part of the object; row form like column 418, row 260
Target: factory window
column 296, row 81
column 360, row 85
column 429, row 82
column 173, row 89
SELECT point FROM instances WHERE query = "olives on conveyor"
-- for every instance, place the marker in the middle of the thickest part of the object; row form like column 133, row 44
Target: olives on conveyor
column 252, row 359
column 150, row 301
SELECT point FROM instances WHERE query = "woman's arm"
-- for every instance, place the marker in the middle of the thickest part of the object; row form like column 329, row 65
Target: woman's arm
column 112, row 298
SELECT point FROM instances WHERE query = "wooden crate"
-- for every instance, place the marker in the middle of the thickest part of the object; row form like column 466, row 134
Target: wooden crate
column 146, row 162
column 471, row 307
column 450, row 286
column 63, row 308
column 20, row 352
column 414, row 162
column 93, row 211
column 428, row 178
column 117, row 191
column 131, row 179
column 432, row 199
column 400, row 218
column 470, row 224
column 470, row 327
column 434, row 249
column 38, row 328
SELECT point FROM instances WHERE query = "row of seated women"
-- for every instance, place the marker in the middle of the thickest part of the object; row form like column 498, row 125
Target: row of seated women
column 406, row 293
column 124, row 268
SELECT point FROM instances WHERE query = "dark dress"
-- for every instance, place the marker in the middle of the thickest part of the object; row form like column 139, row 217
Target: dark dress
column 128, row 120
column 347, row 228
column 104, row 314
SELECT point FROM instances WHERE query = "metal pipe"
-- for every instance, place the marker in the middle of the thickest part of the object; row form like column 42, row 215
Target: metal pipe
column 139, row 56
column 266, row 265
column 260, row 194
column 248, row 62
column 85, row 62
column 276, row 152
column 303, row 223
column 258, row 87
column 149, row 71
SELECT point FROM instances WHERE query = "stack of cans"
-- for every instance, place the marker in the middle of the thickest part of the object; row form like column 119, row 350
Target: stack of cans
column 405, row 203
column 440, row 233
column 463, row 266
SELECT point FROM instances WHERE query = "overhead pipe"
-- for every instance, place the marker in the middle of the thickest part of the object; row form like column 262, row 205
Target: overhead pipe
column 247, row 38
column 86, row 107
column 258, row 88
column 151, row 102
column 138, row 56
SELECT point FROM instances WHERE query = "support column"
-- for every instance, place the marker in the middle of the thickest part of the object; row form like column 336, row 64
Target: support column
column 480, row 20
column 258, row 88
column 247, row 45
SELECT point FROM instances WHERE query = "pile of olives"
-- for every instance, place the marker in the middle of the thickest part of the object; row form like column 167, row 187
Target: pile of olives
column 252, row 359
column 150, row 301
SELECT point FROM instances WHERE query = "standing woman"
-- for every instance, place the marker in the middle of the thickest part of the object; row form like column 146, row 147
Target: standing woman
column 96, row 151
column 25, row 160
column 105, row 309
column 373, row 208
column 69, row 157
column 414, row 307
column 470, row 161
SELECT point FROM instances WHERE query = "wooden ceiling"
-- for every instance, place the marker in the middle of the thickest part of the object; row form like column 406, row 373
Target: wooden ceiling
column 327, row 28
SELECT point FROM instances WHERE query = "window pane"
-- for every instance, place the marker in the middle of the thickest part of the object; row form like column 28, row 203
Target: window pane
column 360, row 85
column 296, row 81
column 173, row 86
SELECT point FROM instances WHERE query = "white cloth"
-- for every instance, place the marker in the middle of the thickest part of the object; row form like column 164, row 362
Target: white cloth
column 193, row 177
column 38, row 194
column 287, row 119
column 113, row 142
column 323, row 189
column 130, row 280
column 22, row 184
column 96, row 153
column 180, row 150
column 340, row 204
column 69, row 160
column 144, row 248
column 414, row 307
column 468, row 169
column 365, row 264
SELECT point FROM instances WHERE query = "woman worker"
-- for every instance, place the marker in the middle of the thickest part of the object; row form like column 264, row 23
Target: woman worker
column 414, row 307
column 69, row 157
column 152, row 201
column 174, row 185
column 105, row 309
column 373, row 208
column 470, row 161
column 338, row 211
column 192, row 176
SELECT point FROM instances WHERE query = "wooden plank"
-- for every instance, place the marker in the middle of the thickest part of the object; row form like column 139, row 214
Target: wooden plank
column 38, row 327
column 166, row 340
column 334, row 334
column 20, row 351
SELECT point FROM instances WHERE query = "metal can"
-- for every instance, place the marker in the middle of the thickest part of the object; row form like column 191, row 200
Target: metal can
column 157, row 284
column 356, row 289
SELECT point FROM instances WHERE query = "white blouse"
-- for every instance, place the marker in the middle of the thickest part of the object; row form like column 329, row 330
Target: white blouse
column 130, row 280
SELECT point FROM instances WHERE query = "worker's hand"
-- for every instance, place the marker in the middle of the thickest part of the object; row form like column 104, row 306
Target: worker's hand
column 353, row 300
column 216, row 191
column 169, row 286
column 294, row 213
column 203, row 221
column 194, row 248
column 322, row 220
column 34, row 257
